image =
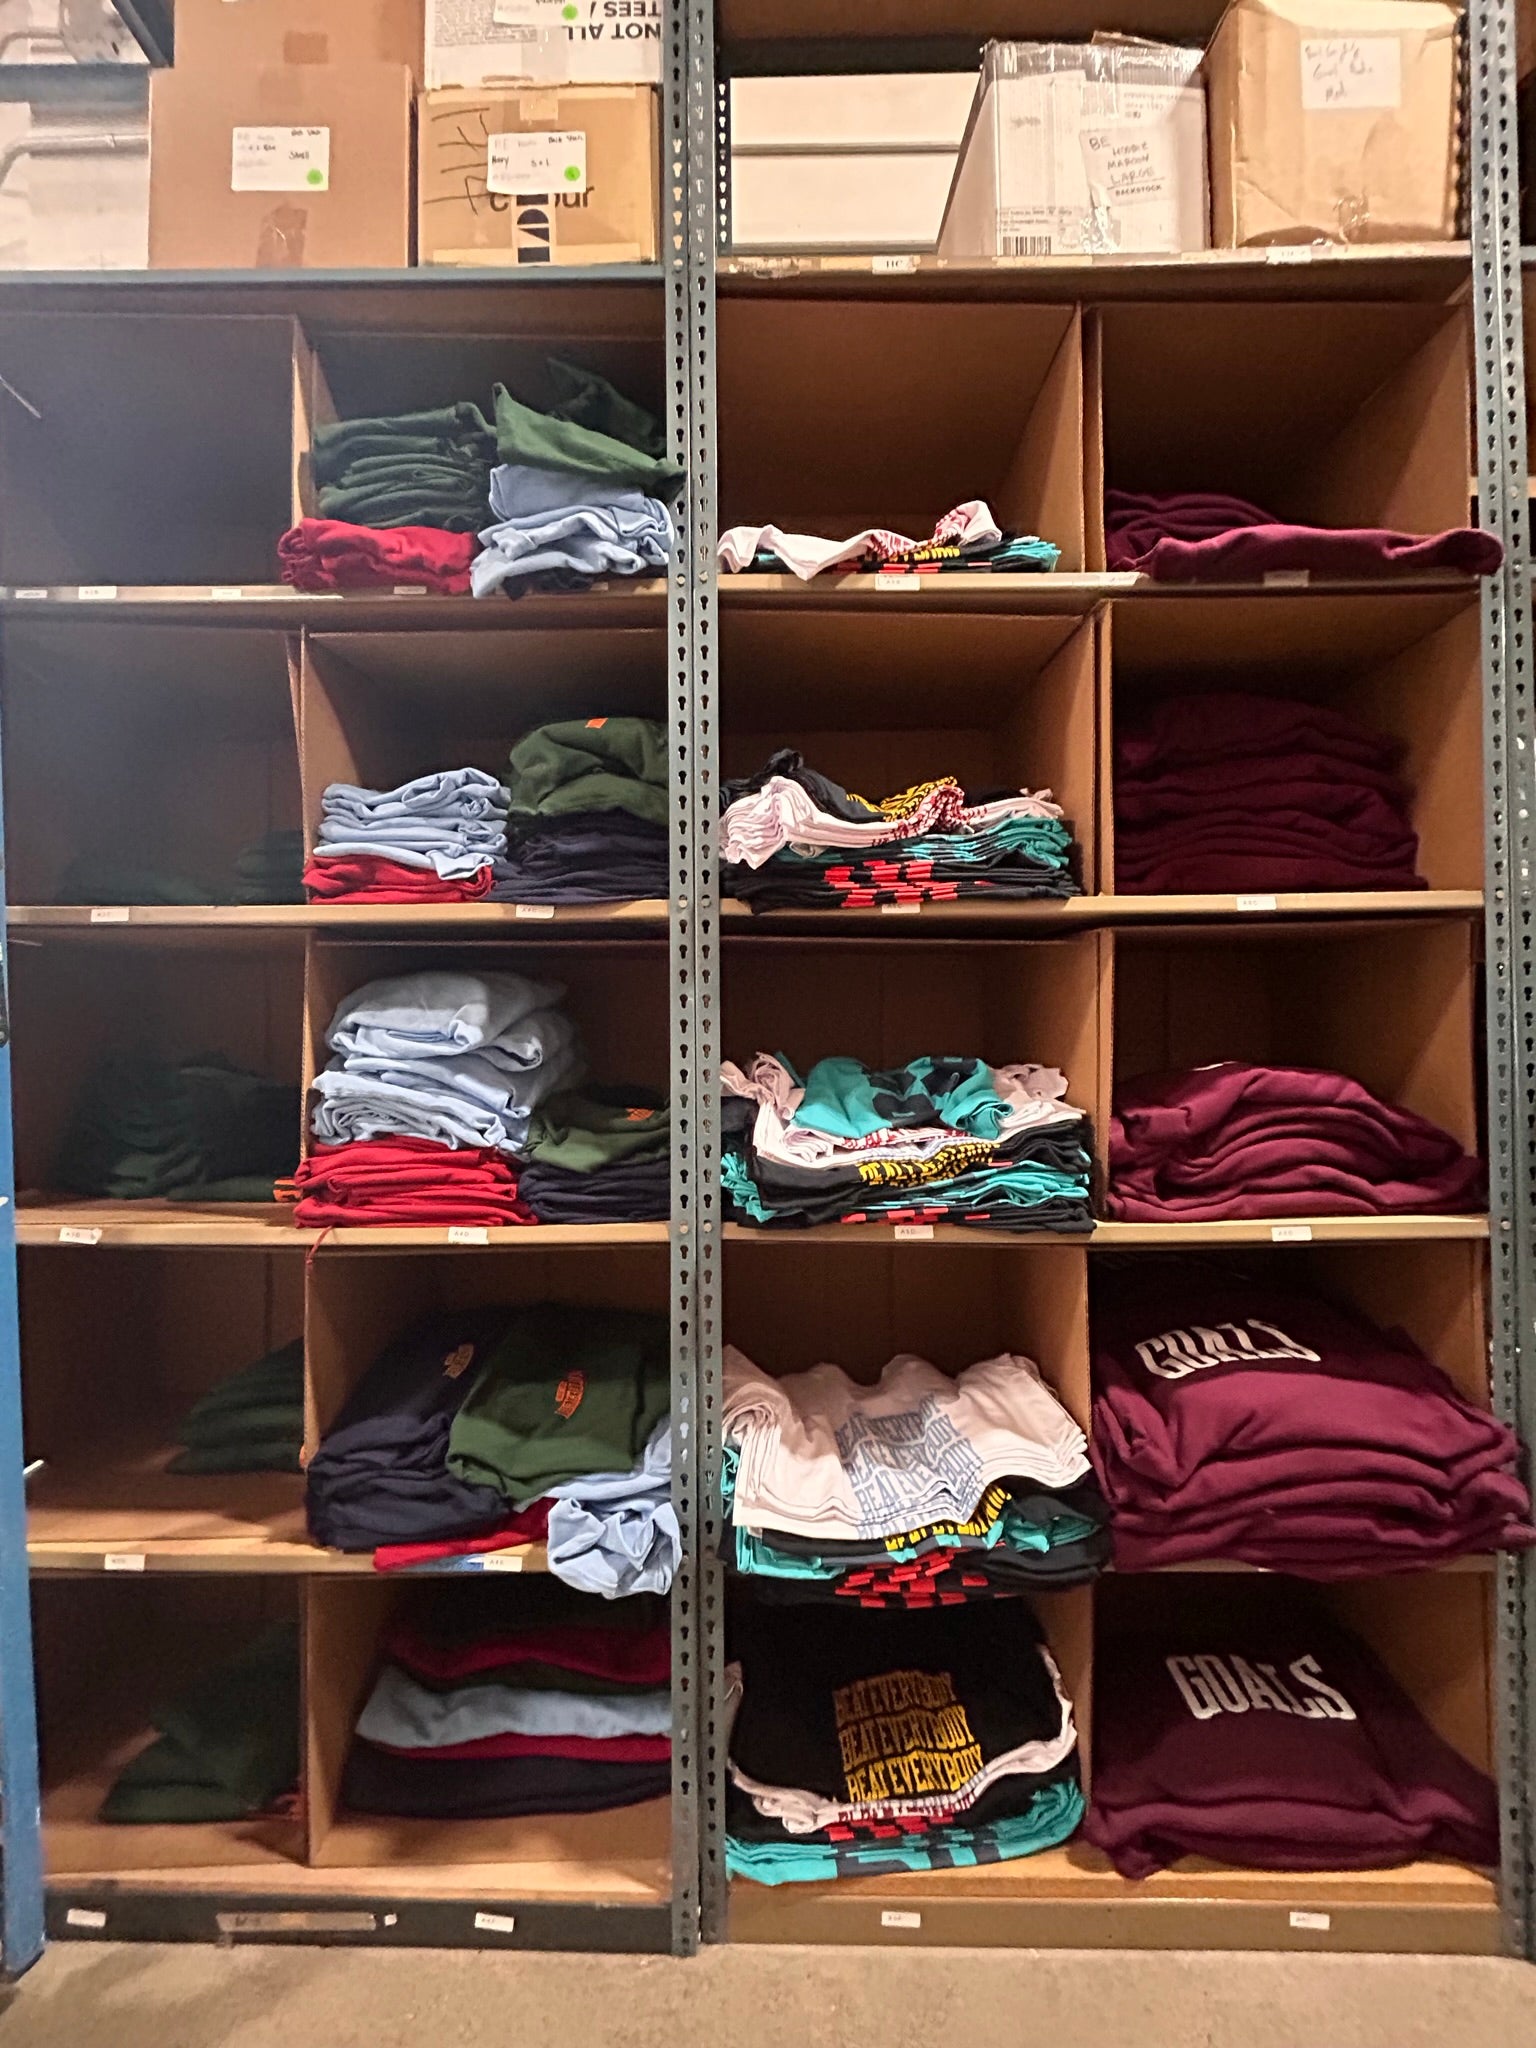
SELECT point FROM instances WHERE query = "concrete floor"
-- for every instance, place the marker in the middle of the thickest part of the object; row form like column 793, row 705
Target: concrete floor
column 96, row 1996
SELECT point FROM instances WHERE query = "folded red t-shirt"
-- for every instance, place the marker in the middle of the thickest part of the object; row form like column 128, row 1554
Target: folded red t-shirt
column 405, row 1180
column 366, row 878
column 524, row 1525
column 331, row 554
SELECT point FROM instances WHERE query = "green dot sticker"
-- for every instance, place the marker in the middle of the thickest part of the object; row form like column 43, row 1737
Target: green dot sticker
column 573, row 174
column 314, row 175
column 568, row 14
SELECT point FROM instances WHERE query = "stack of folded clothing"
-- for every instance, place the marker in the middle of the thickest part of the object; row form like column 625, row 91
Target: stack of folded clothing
column 1236, row 792
column 332, row 554
column 200, row 1131
column 497, row 1700
column 966, row 538
column 103, row 878
column 432, row 840
column 406, row 469
column 601, row 1157
column 880, row 1743
column 791, row 838
column 510, row 1425
column 580, row 491
column 1278, row 1743
column 918, row 1491
column 938, row 1141
column 251, row 1422
column 1257, row 1423
column 1233, row 1140
column 588, row 812
column 271, row 870
column 1207, row 537
column 227, row 1747
column 406, row 1180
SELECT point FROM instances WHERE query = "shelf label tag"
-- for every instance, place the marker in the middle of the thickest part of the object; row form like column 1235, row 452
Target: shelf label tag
column 123, row 1561
column 900, row 909
column 468, row 1233
column 280, row 160
column 901, row 1919
column 74, row 1234
column 496, row 1923
column 554, row 160
column 501, row 1561
column 1340, row 74
column 1258, row 903
column 30, row 594
column 85, row 1916
column 893, row 266
column 226, row 592
column 110, row 913
column 912, row 1230
column 410, row 590
column 97, row 593
column 897, row 579
column 1290, row 1233
column 1289, row 252
column 1315, row 1923
column 540, row 911
column 1287, row 579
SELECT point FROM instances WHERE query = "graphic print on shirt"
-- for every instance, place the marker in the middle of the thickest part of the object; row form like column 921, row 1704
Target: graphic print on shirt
column 1177, row 1353
column 570, row 1392
column 904, row 1734
column 891, row 1460
column 1233, row 1685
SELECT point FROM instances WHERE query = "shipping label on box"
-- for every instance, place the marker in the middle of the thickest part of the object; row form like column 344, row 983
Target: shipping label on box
column 548, row 42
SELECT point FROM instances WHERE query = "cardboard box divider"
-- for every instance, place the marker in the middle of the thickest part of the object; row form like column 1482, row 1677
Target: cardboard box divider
column 835, row 416
column 1406, row 667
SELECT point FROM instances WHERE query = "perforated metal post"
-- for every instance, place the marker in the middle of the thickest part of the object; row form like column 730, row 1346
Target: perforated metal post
column 1509, row 730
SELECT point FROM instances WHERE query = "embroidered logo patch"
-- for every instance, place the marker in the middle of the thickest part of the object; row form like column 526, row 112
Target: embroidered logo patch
column 568, row 1395
column 458, row 1361
column 638, row 1116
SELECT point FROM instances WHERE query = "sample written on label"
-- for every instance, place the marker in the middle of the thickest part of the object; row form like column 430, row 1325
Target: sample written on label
column 901, row 1919
column 912, row 1230
column 555, row 160
column 77, row 1233
column 1291, row 1233
column 496, row 1923
column 1346, row 74
column 468, row 1233
column 280, row 160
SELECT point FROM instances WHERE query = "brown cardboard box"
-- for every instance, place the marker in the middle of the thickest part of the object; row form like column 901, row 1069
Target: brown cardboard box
column 486, row 192
column 244, row 35
column 297, row 166
column 1333, row 120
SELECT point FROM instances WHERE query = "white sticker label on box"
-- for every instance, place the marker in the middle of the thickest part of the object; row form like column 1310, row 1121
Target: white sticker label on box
column 541, row 911
column 123, row 1561
column 1258, row 902
column 468, row 1233
column 554, row 160
column 1345, row 73
column 897, row 579
column 893, row 266
column 496, row 1923
column 1290, row 1233
column 911, row 1230
column 97, row 593
column 901, row 1919
column 110, row 913
column 70, row 1234
column 280, row 160
column 84, row 1916
column 1316, row 1923
column 1129, row 164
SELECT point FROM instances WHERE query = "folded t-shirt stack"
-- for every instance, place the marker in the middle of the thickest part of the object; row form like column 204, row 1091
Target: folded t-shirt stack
column 918, row 1491
column 271, row 869
column 333, row 554
column 1275, row 1744
column 432, row 840
column 227, row 1746
column 587, row 813
column 791, row 838
column 580, row 490
column 253, row 1421
column 1260, row 1424
column 1233, row 1140
column 266, row 872
column 1207, row 537
column 406, row 469
column 600, row 1157
column 203, row 1130
column 868, row 1743
column 1240, row 792
column 497, row 1700
column 940, row 1140
column 474, row 1417
column 966, row 538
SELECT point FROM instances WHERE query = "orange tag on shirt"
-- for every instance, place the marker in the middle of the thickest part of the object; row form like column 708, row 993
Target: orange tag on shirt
column 594, row 723
column 458, row 1361
column 568, row 1395
column 638, row 1116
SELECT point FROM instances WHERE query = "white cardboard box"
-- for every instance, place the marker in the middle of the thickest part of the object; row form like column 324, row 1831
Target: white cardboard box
column 1081, row 149
column 549, row 42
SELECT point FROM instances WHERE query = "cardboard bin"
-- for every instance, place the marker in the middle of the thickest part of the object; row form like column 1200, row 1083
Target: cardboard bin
column 231, row 37
column 581, row 42
column 511, row 178
column 1333, row 121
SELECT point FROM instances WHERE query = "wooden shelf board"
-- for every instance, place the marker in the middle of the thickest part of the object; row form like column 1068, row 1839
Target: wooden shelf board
column 617, row 602
column 972, row 590
column 162, row 922
column 269, row 1227
column 1324, row 1230
column 1078, row 911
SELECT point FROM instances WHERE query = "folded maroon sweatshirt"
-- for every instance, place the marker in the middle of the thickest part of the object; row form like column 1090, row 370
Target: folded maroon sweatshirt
column 639, row 1657
column 1274, row 1743
column 367, row 878
column 1221, row 726
column 329, row 554
column 1234, row 1140
column 1205, row 537
column 404, row 1180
